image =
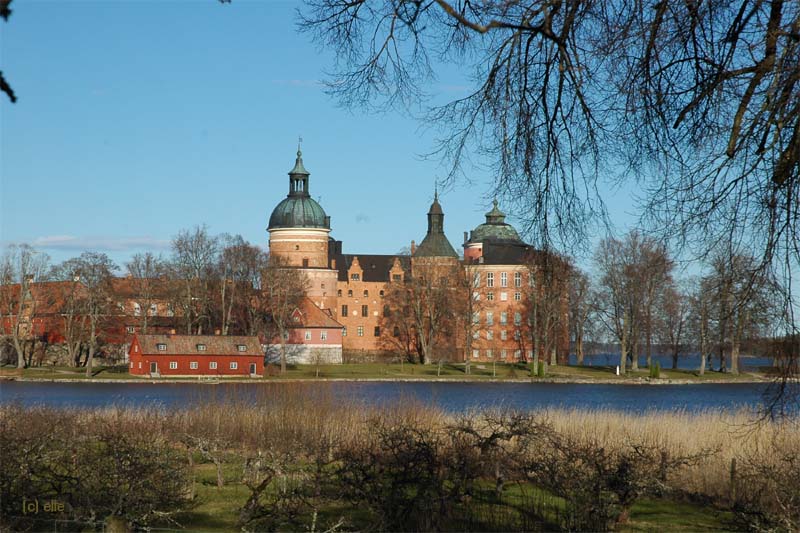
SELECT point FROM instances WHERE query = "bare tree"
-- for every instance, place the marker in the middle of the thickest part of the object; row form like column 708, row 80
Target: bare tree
column 21, row 267
column 468, row 304
column 147, row 274
column 94, row 271
column 672, row 321
column 284, row 288
column 71, row 306
column 580, row 309
column 194, row 256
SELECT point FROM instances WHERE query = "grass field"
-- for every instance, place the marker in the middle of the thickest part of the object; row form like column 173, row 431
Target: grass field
column 407, row 371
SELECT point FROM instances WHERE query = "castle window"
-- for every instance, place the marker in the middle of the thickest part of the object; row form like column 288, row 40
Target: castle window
column 517, row 318
column 130, row 329
column 344, row 310
column 396, row 331
column 504, row 279
column 364, row 310
column 377, row 331
column 305, row 262
column 489, row 318
column 475, row 354
column 360, row 331
column 296, row 246
column 489, row 335
column 137, row 310
column 381, row 294
column 386, row 311
column 322, row 286
column 503, row 296
column 518, row 279
column 339, row 293
column 517, row 296
column 490, row 296
column 503, row 354
column 350, row 293
column 490, row 279
column 355, row 276
column 503, row 335
column 397, row 277
column 489, row 353
column 366, row 294
column 476, row 317
column 516, row 335
column 344, row 331
column 504, row 318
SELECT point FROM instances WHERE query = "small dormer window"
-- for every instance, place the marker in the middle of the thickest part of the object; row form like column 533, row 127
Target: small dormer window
column 130, row 329
column 161, row 347
column 241, row 347
column 355, row 276
column 201, row 347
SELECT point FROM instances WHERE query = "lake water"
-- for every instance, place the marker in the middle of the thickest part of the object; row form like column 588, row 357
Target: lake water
column 685, row 361
column 452, row 397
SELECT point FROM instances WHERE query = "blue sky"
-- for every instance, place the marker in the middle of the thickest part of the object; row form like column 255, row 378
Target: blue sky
column 138, row 119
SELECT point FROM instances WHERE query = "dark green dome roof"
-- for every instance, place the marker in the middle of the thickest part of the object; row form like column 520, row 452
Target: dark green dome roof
column 298, row 209
column 298, row 212
column 495, row 229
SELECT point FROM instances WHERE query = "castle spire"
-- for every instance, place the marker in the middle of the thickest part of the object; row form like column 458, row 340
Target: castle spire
column 298, row 176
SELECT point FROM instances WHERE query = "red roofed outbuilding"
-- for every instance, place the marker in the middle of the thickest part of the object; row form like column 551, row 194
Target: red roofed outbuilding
column 196, row 355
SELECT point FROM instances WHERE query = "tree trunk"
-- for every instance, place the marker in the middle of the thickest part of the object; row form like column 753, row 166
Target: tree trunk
column 579, row 350
column 283, row 354
column 92, row 343
column 623, row 345
column 634, row 354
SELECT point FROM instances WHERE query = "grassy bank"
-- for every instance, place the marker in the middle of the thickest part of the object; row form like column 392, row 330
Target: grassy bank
column 450, row 371
column 300, row 460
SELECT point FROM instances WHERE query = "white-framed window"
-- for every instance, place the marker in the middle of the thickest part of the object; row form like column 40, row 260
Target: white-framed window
column 201, row 347
column 137, row 309
column 476, row 334
column 140, row 364
column 130, row 329
column 517, row 354
column 170, row 310
column 308, row 335
column 173, row 365
column 355, row 276
column 489, row 335
column 503, row 296
column 518, row 279
column 504, row 279
column 476, row 279
column 136, row 348
column 161, row 347
column 516, row 335
column 476, row 353
column 153, row 309
column 517, row 318
column 344, row 331
column 490, row 296
column 503, row 335
column 241, row 347
column 212, row 365
column 530, row 354
column 193, row 365
column 476, row 296
column 286, row 335
column 489, row 318
column 517, row 296
column 490, row 279
column 131, row 364
column 323, row 335
column 489, row 353
column 504, row 318
column 234, row 365
column 476, row 317
column 360, row 331
column 503, row 354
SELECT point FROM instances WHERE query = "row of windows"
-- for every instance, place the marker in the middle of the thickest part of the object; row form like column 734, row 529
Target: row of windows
column 476, row 318
column 350, row 293
column 162, row 347
column 323, row 335
column 503, row 354
column 376, row 332
column 503, row 296
column 364, row 310
column 355, row 276
column 193, row 365
column 489, row 334
column 503, row 279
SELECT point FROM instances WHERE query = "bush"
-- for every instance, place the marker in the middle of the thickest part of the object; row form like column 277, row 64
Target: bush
column 655, row 370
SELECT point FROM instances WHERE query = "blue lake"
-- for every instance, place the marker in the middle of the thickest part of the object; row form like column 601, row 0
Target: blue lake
column 452, row 397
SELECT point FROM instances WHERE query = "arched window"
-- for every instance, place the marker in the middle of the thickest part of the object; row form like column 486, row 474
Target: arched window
column 366, row 294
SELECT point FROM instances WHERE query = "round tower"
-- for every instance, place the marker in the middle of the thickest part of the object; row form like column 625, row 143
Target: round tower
column 298, row 227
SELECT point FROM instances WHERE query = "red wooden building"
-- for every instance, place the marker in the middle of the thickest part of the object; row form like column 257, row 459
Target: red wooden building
column 195, row 355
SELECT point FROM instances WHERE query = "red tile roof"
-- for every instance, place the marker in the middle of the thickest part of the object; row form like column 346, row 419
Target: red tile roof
column 187, row 345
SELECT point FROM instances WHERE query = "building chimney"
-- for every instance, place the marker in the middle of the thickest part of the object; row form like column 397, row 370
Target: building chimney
column 413, row 247
column 217, row 332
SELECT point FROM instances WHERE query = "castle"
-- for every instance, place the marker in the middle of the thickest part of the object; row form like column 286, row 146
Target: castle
column 507, row 292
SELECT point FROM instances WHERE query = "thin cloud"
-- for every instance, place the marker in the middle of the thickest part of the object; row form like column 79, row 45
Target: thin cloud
column 362, row 218
column 100, row 244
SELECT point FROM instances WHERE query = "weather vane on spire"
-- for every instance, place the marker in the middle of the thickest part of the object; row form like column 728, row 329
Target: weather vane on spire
column 299, row 142
column 436, row 189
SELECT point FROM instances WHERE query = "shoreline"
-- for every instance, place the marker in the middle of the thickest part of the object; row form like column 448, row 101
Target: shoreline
column 532, row 381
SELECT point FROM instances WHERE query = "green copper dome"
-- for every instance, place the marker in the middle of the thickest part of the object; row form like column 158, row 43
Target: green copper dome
column 495, row 229
column 298, row 209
